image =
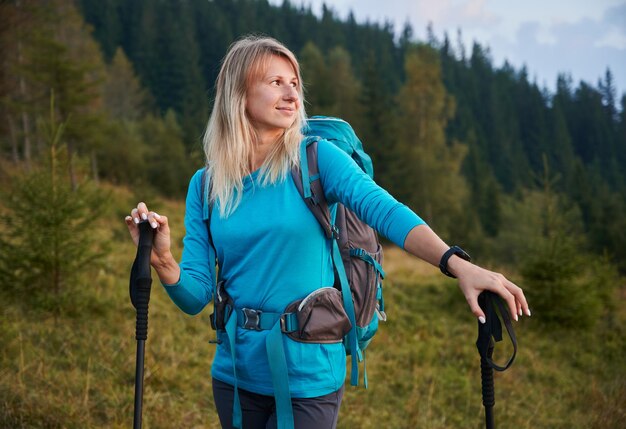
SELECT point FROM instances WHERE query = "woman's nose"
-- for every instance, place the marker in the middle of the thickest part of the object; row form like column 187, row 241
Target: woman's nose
column 290, row 94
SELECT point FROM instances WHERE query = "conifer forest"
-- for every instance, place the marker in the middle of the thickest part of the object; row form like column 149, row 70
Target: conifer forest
column 104, row 104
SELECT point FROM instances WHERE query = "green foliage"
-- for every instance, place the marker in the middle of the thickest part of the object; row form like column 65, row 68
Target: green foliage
column 418, row 118
column 558, row 287
column 423, row 367
column 124, row 99
column 346, row 88
column 315, row 75
column 165, row 162
column 567, row 285
column 427, row 169
column 485, row 192
column 377, row 129
column 48, row 240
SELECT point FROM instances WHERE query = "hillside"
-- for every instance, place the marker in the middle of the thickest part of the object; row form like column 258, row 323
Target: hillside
column 76, row 370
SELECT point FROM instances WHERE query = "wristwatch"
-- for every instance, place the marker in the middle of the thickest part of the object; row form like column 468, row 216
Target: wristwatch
column 454, row 250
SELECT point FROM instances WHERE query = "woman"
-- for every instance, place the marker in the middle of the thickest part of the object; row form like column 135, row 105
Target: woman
column 269, row 248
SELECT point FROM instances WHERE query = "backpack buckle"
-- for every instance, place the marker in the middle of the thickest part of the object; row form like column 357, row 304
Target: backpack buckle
column 288, row 323
column 252, row 319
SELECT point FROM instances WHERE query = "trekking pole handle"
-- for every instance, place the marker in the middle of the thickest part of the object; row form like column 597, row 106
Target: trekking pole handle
column 143, row 279
column 486, row 372
column 489, row 397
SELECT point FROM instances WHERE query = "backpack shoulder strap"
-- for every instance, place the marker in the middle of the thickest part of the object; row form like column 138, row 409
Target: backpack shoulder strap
column 207, row 205
column 307, row 180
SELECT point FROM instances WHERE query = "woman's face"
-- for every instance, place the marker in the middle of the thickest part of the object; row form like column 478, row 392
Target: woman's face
column 272, row 99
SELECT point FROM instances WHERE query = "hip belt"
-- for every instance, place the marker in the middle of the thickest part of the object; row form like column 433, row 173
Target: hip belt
column 318, row 318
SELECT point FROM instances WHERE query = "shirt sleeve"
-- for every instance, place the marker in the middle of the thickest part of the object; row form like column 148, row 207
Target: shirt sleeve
column 194, row 289
column 344, row 182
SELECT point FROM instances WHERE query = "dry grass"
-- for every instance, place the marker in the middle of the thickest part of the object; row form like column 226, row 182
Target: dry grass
column 423, row 368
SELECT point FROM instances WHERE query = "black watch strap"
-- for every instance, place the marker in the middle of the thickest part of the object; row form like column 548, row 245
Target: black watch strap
column 454, row 250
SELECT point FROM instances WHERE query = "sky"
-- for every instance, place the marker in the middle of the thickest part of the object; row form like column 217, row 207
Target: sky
column 579, row 37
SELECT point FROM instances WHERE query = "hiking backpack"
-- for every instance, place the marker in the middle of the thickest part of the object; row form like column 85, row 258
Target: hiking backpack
column 357, row 253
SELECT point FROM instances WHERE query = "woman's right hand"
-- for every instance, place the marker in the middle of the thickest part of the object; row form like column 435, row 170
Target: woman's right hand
column 161, row 245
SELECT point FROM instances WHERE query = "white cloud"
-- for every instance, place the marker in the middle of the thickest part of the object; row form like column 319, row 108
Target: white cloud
column 613, row 39
column 574, row 50
column 616, row 16
column 615, row 21
column 581, row 37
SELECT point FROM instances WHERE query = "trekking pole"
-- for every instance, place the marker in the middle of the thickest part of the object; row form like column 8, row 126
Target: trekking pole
column 140, row 283
column 489, row 333
column 486, row 376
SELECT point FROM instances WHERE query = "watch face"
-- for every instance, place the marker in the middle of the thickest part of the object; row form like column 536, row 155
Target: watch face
column 461, row 253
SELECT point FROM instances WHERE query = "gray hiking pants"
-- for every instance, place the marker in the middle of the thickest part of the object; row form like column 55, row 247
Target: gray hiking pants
column 259, row 411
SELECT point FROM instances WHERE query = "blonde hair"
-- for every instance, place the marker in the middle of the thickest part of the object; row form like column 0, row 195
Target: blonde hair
column 229, row 134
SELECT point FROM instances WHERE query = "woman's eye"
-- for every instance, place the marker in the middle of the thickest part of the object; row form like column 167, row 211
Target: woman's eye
column 294, row 84
column 275, row 82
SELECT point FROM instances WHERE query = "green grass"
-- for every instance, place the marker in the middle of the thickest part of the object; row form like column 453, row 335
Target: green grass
column 76, row 369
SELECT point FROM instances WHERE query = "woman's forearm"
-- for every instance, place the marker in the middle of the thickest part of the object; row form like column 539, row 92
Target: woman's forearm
column 422, row 242
column 167, row 269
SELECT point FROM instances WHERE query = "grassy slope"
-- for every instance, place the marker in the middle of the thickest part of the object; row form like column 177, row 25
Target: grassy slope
column 423, row 368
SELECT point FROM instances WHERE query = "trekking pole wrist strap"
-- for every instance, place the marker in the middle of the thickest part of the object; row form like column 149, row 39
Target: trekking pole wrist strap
column 490, row 332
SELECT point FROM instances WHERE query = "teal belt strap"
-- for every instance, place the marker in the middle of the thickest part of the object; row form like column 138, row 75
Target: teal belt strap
column 280, row 377
column 264, row 321
column 276, row 323
column 349, row 307
column 231, row 332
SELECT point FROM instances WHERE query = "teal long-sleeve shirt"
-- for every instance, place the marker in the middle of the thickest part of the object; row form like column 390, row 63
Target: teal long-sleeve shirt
column 271, row 251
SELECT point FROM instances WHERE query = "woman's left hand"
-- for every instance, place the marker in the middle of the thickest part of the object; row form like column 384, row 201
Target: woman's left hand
column 474, row 279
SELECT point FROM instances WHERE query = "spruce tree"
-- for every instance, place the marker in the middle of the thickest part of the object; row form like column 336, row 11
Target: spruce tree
column 564, row 282
column 428, row 169
column 345, row 88
column 50, row 239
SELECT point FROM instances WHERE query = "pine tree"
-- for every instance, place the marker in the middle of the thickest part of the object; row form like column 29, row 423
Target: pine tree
column 315, row 77
column 344, row 87
column 65, row 58
column 124, row 99
column 48, row 241
column 165, row 161
column 609, row 94
column 556, row 269
column 22, row 24
column 378, row 128
column 429, row 169
column 484, row 190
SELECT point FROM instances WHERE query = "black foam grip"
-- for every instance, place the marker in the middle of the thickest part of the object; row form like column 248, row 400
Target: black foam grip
column 142, row 300
column 486, row 373
column 141, row 280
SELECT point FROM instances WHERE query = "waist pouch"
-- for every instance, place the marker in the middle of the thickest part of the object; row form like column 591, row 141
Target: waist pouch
column 318, row 318
column 321, row 317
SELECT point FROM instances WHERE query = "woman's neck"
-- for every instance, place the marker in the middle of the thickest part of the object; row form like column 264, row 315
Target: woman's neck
column 261, row 148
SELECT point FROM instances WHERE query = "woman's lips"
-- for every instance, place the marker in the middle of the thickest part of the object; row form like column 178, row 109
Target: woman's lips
column 286, row 110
